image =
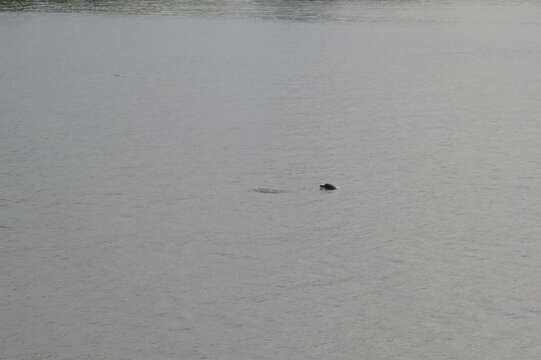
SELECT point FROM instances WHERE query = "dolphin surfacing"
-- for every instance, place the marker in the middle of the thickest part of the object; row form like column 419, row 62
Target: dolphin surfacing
column 327, row 187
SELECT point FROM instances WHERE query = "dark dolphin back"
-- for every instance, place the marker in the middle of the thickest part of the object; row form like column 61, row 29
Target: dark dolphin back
column 327, row 187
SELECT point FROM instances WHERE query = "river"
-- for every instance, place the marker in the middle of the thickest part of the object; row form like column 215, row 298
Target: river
column 160, row 164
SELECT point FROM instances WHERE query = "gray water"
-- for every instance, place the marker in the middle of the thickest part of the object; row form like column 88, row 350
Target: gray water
column 160, row 164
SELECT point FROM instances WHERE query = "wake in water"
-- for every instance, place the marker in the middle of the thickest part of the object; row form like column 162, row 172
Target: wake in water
column 269, row 191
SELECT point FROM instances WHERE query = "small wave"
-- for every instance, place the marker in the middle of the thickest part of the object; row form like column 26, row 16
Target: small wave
column 269, row 191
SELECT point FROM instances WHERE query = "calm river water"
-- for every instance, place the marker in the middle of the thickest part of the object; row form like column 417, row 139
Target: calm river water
column 160, row 164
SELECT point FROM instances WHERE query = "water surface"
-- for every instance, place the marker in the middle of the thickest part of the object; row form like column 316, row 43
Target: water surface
column 134, row 136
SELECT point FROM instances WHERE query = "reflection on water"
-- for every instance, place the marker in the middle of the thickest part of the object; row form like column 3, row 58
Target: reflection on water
column 404, row 11
column 280, row 9
column 298, row 10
